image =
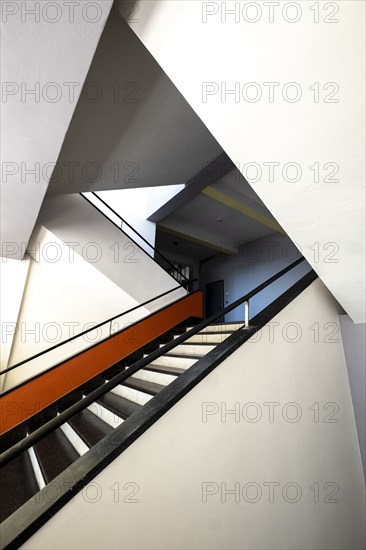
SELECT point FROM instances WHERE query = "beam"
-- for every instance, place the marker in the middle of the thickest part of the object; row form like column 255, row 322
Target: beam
column 195, row 240
column 242, row 208
column 211, row 172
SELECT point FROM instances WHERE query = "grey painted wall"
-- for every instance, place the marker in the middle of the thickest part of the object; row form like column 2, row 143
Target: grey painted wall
column 255, row 262
column 183, row 259
column 140, row 133
column 354, row 345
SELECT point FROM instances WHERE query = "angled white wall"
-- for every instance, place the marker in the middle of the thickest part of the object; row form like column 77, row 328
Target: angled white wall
column 354, row 345
column 98, row 241
column 220, row 470
column 280, row 86
column 83, row 270
column 63, row 296
column 47, row 49
column 135, row 206
column 13, row 275
column 131, row 206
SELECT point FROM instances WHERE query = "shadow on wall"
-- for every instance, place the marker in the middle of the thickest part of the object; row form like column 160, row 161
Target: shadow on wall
column 354, row 346
column 129, row 10
column 143, row 122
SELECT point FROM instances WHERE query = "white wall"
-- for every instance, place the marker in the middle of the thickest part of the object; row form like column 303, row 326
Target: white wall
column 84, row 270
column 135, row 206
column 110, row 251
column 131, row 205
column 226, row 52
column 254, row 263
column 13, row 278
column 158, row 196
column 63, row 298
column 49, row 51
column 354, row 345
column 168, row 465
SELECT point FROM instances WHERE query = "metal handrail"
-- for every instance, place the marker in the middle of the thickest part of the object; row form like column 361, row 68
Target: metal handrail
column 72, row 338
column 137, row 233
column 63, row 417
column 186, row 283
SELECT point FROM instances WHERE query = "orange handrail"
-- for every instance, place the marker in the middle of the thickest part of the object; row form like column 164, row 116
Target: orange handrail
column 38, row 393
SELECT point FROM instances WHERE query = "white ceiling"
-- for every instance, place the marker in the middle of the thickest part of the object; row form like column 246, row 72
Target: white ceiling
column 210, row 221
column 325, row 218
column 206, row 226
column 173, row 247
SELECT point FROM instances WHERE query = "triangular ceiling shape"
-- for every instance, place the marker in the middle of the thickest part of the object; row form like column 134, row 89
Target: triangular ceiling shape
column 131, row 127
column 283, row 95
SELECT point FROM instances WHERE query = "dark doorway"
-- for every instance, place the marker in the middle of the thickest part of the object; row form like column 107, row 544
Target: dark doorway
column 214, row 299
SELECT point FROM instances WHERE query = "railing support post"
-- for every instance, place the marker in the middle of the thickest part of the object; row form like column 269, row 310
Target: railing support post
column 246, row 314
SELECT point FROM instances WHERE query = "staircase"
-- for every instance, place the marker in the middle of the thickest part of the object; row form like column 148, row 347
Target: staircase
column 47, row 458
column 32, row 470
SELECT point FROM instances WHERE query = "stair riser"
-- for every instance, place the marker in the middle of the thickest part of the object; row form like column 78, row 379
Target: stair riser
column 133, row 395
column 212, row 339
column 193, row 351
column 156, row 377
column 221, row 328
column 179, row 362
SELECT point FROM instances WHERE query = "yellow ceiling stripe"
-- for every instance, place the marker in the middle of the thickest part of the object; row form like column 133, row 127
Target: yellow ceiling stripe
column 240, row 207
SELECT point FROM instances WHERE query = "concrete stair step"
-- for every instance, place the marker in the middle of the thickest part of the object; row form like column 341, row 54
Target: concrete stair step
column 175, row 362
column 191, row 350
column 208, row 338
column 156, row 377
column 223, row 327
column 136, row 396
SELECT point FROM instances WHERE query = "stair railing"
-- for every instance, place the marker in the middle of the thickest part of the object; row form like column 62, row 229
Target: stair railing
column 66, row 415
column 185, row 281
column 107, row 324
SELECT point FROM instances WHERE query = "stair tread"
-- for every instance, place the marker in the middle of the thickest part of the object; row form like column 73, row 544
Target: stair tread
column 211, row 339
column 55, row 453
column 136, row 396
column 222, row 327
column 214, row 332
column 142, row 385
column 191, row 350
column 157, row 377
column 165, row 369
column 89, row 427
column 189, row 343
column 225, row 325
column 182, row 356
column 173, row 355
column 119, row 405
column 175, row 361
column 17, row 484
column 194, row 344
